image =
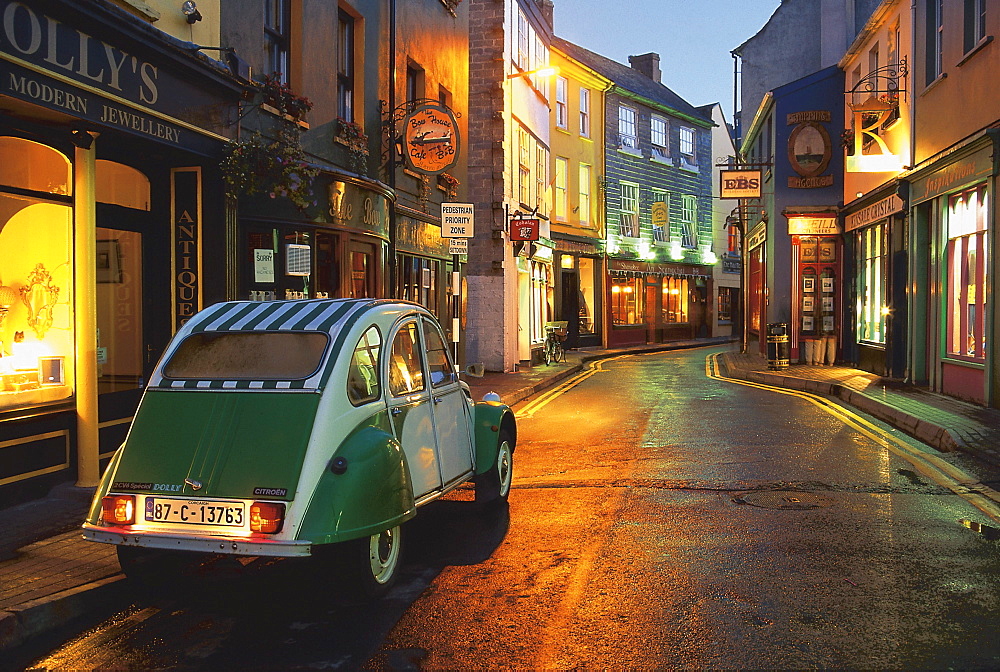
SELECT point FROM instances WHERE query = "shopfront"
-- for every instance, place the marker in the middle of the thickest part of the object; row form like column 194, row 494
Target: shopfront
column 336, row 248
column 950, row 247
column 875, row 228
column 817, row 290
column 424, row 265
column 536, row 299
column 656, row 303
column 578, row 292
column 105, row 220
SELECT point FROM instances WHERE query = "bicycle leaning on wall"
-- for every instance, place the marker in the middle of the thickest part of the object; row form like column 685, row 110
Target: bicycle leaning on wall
column 555, row 334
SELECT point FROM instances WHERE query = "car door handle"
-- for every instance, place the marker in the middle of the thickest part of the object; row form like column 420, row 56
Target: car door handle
column 396, row 411
column 438, row 400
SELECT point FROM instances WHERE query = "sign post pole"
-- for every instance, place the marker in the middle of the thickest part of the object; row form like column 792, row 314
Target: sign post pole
column 457, row 220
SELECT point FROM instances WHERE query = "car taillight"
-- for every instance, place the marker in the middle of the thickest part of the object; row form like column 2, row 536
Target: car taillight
column 266, row 517
column 118, row 509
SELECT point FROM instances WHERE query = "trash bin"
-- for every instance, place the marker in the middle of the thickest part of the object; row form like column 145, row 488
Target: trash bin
column 778, row 346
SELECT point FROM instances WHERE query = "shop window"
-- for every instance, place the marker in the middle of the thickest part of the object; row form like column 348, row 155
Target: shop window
column 675, row 300
column 966, row 269
column 588, row 295
column 122, row 185
column 627, row 301
column 119, row 292
column 36, row 276
column 540, row 300
column 724, row 309
column 872, row 280
column 35, row 167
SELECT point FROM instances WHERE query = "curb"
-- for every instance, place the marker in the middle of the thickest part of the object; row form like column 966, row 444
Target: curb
column 936, row 436
column 20, row 623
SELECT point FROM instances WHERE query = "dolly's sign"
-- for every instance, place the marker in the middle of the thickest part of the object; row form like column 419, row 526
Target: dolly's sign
column 739, row 184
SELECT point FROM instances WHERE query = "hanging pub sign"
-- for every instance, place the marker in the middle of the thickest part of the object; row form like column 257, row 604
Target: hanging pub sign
column 524, row 229
column 739, row 184
column 430, row 140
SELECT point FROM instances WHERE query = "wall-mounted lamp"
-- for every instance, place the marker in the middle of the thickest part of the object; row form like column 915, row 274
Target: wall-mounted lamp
column 548, row 71
column 190, row 10
column 81, row 138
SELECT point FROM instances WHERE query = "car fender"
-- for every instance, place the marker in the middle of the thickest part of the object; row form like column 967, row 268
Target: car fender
column 365, row 488
column 490, row 417
column 94, row 515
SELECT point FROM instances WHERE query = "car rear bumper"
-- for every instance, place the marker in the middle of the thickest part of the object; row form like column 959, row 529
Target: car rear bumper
column 200, row 543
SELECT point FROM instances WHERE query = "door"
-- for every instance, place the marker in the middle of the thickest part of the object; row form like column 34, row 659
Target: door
column 133, row 306
column 452, row 419
column 410, row 408
column 570, row 308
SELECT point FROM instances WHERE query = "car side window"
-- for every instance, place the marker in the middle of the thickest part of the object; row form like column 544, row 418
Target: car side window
column 438, row 362
column 362, row 377
column 405, row 373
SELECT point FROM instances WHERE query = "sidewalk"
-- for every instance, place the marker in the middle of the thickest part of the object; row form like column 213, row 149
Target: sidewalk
column 49, row 576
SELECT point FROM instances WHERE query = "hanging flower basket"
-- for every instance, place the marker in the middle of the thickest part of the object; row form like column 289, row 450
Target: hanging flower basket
column 449, row 183
column 275, row 167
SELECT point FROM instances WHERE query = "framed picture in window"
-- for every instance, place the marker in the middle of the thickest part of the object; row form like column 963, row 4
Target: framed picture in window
column 808, row 284
column 109, row 261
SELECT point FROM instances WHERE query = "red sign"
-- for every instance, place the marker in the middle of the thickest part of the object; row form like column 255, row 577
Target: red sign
column 524, row 229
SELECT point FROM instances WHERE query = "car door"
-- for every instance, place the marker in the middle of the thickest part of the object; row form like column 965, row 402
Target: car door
column 409, row 405
column 452, row 418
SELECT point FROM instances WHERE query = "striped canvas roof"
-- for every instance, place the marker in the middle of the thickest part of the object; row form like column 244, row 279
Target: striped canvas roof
column 332, row 316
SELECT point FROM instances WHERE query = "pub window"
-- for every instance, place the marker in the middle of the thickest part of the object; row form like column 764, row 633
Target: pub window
column 675, row 300
column 276, row 38
column 627, row 301
column 345, row 66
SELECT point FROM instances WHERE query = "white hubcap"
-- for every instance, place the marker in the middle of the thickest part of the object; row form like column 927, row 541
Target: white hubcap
column 383, row 554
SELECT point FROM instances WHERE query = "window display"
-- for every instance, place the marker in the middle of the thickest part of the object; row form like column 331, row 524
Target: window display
column 36, row 275
column 967, row 251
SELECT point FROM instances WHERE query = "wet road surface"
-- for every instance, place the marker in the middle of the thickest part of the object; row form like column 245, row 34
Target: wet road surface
column 659, row 519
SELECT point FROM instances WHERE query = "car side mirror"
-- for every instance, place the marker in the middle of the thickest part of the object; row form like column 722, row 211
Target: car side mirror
column 477, row 370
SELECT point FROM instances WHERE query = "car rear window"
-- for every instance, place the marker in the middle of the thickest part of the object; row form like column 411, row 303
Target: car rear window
column 248, row 355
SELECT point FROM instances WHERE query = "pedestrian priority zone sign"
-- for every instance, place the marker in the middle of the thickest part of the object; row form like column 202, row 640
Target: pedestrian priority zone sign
column 456, row 220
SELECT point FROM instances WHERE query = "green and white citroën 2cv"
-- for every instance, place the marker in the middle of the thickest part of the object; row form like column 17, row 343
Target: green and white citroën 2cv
column 281, row 428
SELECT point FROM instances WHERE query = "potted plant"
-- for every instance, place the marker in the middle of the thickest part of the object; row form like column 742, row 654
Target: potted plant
column 277, row 167
column 352, row 135
column 279, row 96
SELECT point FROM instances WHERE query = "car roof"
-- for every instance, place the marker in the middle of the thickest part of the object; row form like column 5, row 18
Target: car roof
column 336, row 317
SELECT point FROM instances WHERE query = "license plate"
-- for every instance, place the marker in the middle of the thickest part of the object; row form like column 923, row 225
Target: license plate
column 194, row 512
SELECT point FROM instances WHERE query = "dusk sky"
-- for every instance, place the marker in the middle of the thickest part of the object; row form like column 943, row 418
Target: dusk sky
column 692, row 37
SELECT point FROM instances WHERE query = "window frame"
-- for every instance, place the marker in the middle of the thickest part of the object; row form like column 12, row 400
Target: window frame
column 277, row 40
column 659, row 139
column 628, row 208
column 689, row 221
column 625, row 124
column 583, row 192
column 688, row 140
column 584, row 112
column 560, row 181
column 346, row 65
column 562, row 104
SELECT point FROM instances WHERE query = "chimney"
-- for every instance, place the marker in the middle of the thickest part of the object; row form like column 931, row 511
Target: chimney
column 647, row 64
column 547, row 8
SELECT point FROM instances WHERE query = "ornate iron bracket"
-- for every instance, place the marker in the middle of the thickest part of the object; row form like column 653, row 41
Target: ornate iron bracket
column 889, row 80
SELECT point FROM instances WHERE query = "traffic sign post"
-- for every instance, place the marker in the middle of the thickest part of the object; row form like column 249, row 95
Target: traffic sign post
column 457, row 225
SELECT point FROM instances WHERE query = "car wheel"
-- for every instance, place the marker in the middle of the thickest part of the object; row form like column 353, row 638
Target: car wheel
column 494, row 484
column 374, row 561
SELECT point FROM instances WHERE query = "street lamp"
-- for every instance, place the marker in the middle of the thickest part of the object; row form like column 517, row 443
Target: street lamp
column 547, row 71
